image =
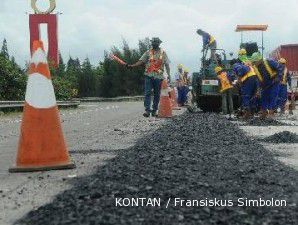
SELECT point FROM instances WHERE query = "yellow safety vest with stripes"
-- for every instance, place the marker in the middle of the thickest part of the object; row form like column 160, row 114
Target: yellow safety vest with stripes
column 250, row 73
column 183, row 80
column 225, row 83
column 155, row 65
column 212, row 39
column 284, row 76
column 269, row 70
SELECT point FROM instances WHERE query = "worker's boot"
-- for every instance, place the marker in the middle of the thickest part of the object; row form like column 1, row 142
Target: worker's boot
column 247, row 115
column 271, row 114
column 282, row 111
column 263, row 114
column 154, row 114
column 146, row 114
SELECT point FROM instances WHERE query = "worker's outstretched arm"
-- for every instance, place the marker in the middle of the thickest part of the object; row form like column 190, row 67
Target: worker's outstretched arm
column 142, row 60
column 138, row 63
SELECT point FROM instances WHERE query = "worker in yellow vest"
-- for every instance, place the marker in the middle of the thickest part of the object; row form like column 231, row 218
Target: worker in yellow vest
column 242, row 55
column 209, row 42
column 283, row 88
column 226, row 90
column 249, row 88
column 269, row 73
column 183, row 87
column 155, row 60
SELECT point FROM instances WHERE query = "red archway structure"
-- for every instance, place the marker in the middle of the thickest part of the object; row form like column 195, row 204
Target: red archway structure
column 52, row 23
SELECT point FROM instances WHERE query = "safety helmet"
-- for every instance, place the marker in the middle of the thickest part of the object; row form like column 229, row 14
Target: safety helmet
column 156, row 40
column 218, row 69
column 199, row 31
column 242, row 51
column 237, row 67
column 180, row 66
column 186, row 70
column 282, row 61
column 257, row 56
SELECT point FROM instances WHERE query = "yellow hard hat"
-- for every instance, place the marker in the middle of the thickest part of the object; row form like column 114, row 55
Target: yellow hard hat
column 186, row 70
column 242, row 51
column 180, row 66
column 218, row 69
column 282, row 61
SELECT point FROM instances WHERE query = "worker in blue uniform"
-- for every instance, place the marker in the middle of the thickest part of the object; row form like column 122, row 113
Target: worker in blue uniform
column 208, row 42
column 269, row 73
column 283, row 87
column 249, row 87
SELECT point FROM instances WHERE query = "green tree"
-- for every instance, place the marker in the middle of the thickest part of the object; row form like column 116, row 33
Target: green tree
column 4, row 50
column 73, row 71
column 63, row 86
column 87, row 80
column 12, row 80
column 116, row 79
column 61, row 66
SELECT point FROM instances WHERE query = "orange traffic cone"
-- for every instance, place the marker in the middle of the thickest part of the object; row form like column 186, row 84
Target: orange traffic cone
column 41, row 145
column 174, row 100
column 165, row 105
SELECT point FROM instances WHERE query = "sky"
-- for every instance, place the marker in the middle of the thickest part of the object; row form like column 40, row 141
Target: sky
column 88, row 27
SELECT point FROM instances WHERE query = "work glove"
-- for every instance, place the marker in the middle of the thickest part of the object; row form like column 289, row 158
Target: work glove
column 276, row 80
column 258, row 93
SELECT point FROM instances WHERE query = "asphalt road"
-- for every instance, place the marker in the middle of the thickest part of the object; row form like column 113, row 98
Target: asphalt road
column 94, row 133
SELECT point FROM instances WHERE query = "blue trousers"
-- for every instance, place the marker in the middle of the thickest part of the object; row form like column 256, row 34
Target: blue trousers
column 155, row 84
column 182, row 94
column 248, row 91
column 269, row 96
column 282, row 96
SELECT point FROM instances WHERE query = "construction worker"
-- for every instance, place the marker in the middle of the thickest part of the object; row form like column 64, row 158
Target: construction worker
column 208, row 43
column 248, row 88
column 183, row 87
column 179, row 73
column 242, row 55
column 269, row 73
column 283, row 88
column 178, row 76
column 155, row 60
column 226, row 89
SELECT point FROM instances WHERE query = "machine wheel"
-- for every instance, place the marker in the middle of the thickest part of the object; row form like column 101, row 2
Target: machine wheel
column 209, row 103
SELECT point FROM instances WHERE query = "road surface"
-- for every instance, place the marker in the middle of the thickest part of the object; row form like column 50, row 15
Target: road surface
column 94, row 133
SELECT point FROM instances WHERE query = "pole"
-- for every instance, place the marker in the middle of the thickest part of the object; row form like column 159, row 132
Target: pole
column 263, row 44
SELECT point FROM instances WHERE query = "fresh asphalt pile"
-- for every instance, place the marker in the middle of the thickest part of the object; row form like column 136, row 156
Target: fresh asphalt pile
column 194, row 156
column 282, row 137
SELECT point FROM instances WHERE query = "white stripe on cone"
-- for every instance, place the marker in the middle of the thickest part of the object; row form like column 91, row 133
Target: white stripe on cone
column 39, row 57
column 164, row 92
column 40, row 92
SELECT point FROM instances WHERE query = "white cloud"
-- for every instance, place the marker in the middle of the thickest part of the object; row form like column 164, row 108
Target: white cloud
column 88, row 27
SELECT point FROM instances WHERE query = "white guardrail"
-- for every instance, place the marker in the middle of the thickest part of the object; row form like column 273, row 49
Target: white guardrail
column 19, row 104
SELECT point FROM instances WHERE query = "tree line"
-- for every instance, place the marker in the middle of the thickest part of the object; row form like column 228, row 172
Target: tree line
column 76, row 79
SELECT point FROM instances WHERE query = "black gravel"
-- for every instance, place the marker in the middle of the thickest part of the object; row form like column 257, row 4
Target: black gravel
column 196, row 157
column 282, row 137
